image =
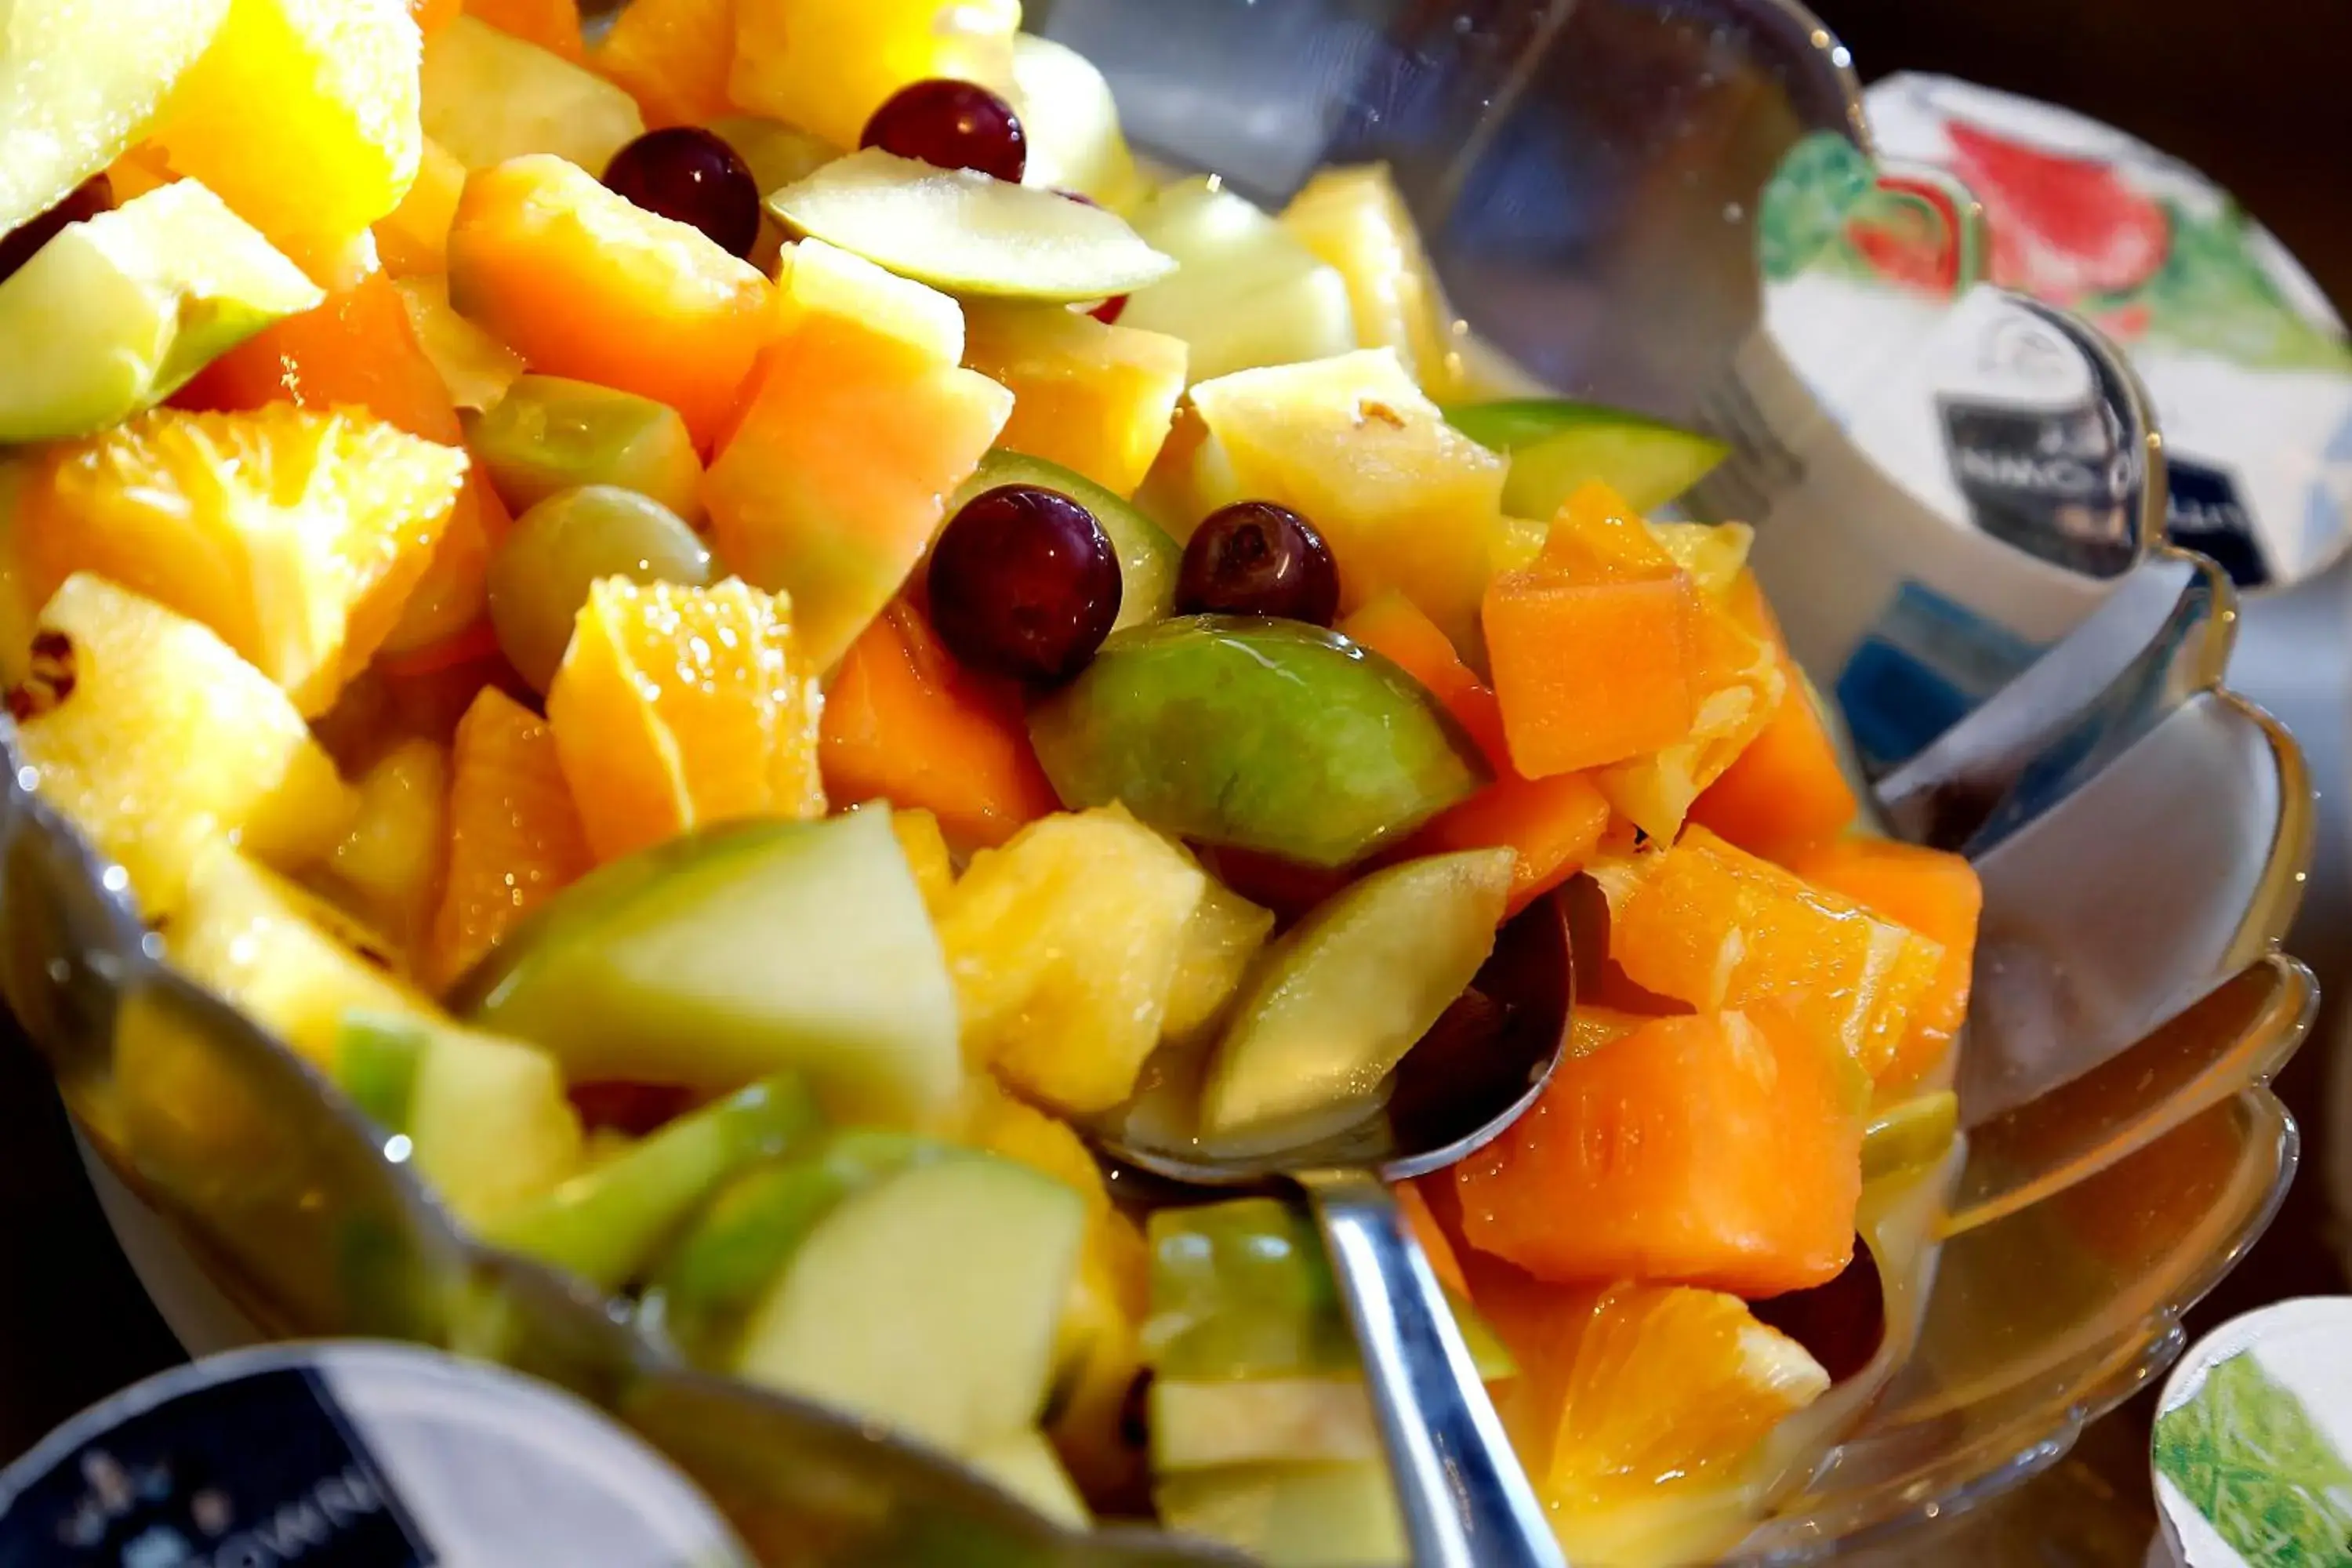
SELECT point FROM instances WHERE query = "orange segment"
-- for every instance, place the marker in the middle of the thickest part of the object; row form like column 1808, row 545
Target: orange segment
column 1638, row 1393
column 1719, row 1150
column 514, row 837
column 432, row 15
column 673, row 57
column 583, row 283
column 1710, row 924
column 676, row 708
column 905, row 723
column 1934, row 893
column 1739, row 686
column 552, row 25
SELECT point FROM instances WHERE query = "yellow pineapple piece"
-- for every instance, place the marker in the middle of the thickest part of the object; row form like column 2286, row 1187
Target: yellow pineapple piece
column 156, row 739
column 927, row 856
column 1006, row 1125
column 303, row 116
column 414, row 237
column 676, row 708
column 391, row 860
column 1063, row 944
column 271, row 528
column 292, row 961
column 1220, row 940
column 1353, row 220
column 1405, row 500
column 1096, row 399
column 827, row 65
column 475, row 367
column 514, row 839
column 489, row 96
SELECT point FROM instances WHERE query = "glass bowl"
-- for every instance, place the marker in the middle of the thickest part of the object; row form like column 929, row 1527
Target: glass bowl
column 1588, row 173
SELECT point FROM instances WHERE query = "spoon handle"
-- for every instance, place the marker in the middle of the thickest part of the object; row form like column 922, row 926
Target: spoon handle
column 1465, row 1501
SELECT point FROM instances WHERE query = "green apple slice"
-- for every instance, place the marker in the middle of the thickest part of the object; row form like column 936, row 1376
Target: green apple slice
column 115, row 315
column 1258, row 734
column 1071, row 122
column 727, row 955
column 1027, row 1465
column 1338, row 1001
column 605, row 1225
column 1246, row 294
column 79, row 81
column 1206, row 1425
column 928, row 1301
column 488, row 96
column 963, row 232
column 1290, row 1516
column 1149, row 559
column 1555, row 445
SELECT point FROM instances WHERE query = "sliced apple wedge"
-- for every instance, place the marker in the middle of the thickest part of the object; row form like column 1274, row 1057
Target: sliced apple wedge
column 961, row 231
column 1556, row 446
column 80, row 80
column 927, row 1302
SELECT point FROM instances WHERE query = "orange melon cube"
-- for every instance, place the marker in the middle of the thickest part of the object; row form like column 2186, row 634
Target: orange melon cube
column 1711, row 925
column 1786, row 789
column 905, row 723
column 586, row 284
column 1553, row 824
column 1718, row 1150
column 673, row 57
column 1934, row 893
column 1739, row 685
column 1593, row 647
column 1096, row 399
column 676, row 708
column 515, row 839
column 859, row 425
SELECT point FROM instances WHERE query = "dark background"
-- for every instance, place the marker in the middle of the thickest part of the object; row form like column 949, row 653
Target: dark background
column 2256, row 92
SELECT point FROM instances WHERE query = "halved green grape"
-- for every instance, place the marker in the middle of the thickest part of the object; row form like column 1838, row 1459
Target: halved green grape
column 1148, row 557
column 542, row 573
column 548, row 434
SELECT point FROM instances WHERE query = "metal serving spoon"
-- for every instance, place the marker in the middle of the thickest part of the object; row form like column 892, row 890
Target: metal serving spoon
column 1466, row 1503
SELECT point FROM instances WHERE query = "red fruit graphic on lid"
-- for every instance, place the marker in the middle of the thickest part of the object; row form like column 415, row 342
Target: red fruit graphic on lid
column 2062, row 227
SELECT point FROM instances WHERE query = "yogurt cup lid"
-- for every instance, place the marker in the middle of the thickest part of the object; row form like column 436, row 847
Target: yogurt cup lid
column 2252, row 1448
column 356, row 1455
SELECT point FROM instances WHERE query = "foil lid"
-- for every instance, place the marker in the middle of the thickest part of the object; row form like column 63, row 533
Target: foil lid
column 350, row 1456
column 2252, row 1445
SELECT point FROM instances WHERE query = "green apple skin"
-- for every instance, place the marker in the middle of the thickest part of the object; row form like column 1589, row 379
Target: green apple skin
column 1246, row 294
column 1290, row 1516
column 1557, row 447
column 117, row 312
column 1148, row 559
column 606, row 1224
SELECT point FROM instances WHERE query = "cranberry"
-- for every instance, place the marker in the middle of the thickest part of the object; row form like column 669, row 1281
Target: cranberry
column 1256, row 558
column 87, row 200
column 953, row 125
column 1024, row 582
column 691, row 177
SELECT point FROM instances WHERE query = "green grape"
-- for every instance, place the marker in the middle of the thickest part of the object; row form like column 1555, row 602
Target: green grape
column 542, row 573
column 548, row 434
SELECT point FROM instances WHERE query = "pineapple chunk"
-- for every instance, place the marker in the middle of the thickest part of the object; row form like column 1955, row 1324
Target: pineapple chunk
column 1065, row 945
column 827, row 65
column 1355, row 220
column 476, row 368
column 489, row 96
column 414, row 237
column 926, row 847
column 279, row 528
column 1096, row 399
column 303, row 116
column 1405, row 500
column 1220, row 941
column 1072, row 123
column 156, row 739
column 391, row 860
column 293, row 962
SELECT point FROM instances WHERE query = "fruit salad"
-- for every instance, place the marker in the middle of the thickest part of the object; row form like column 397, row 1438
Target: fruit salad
column 747, row 630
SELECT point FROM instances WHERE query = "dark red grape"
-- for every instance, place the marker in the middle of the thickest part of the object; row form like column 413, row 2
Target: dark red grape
column 952, row 125
column 87, row 200
column 1024, row 582
column 691, row 177
column 1841, row 1322
column 1254, row 558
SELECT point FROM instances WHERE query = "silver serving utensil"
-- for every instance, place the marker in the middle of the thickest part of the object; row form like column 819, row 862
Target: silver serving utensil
column 1465, row 1501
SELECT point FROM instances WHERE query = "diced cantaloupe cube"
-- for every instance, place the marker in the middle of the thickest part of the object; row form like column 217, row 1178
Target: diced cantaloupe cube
column 1096, row 399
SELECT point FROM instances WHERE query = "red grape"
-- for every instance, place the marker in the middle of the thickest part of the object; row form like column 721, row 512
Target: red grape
column 1024, row 582
column 1254, row 558
column 952, row 125
column 691, row 177
column 1841, row 1322
column 87, row 200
